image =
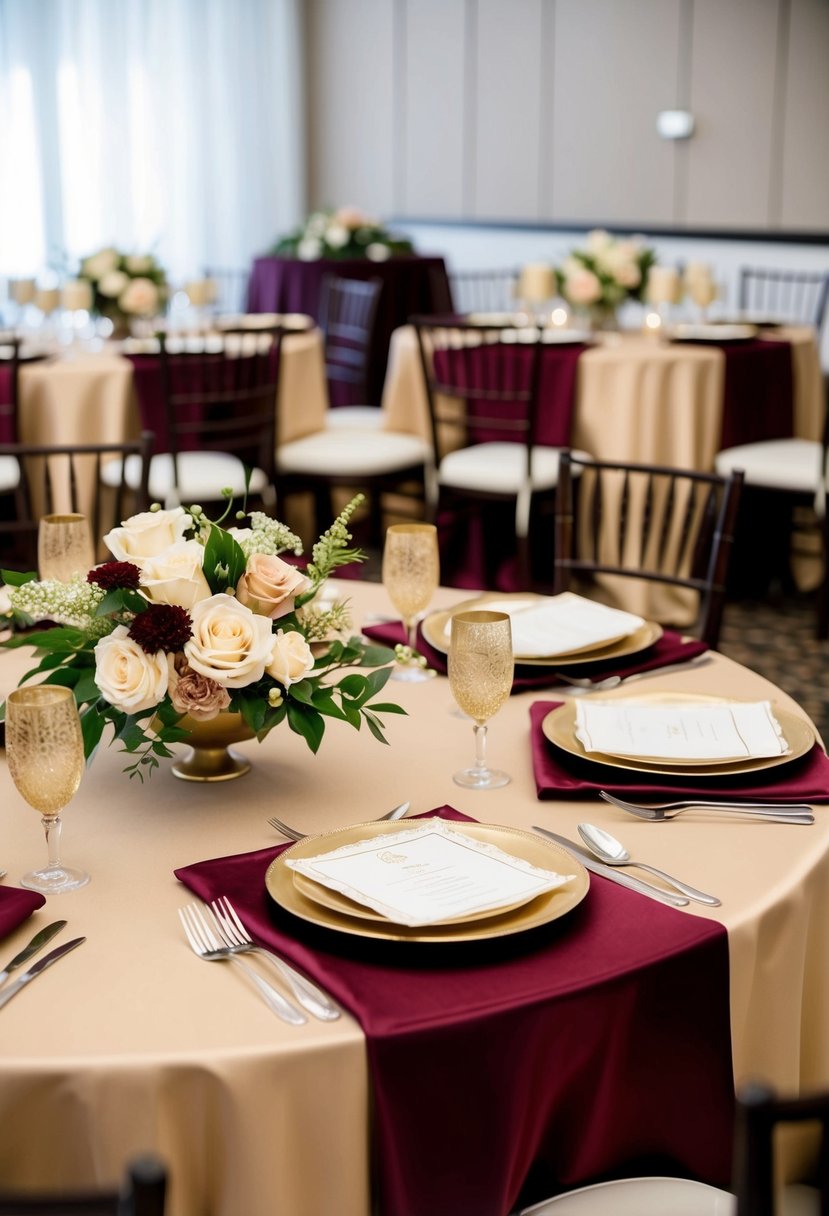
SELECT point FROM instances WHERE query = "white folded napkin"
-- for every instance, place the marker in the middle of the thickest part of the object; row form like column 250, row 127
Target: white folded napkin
column 722, row 730
column 431, row 874
column 562, row 624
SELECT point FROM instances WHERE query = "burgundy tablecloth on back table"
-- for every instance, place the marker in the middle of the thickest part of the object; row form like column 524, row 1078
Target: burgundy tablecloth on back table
column 562, row 1050
column 7, row 420
column 411, row 284
column 758, row 393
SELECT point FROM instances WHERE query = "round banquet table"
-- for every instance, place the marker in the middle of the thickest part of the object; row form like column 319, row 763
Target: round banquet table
column 133, row 1043
column 411, row 284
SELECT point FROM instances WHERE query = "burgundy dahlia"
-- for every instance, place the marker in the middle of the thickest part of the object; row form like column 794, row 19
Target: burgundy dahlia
column 113, row 576
column 161, row 627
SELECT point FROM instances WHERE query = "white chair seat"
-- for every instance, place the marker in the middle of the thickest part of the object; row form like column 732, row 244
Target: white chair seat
column 202, row 477
column 352, row 453
column 356, row 417
column 639, row 1197
column 9, row 474
column 500, row 467
column 778, row 464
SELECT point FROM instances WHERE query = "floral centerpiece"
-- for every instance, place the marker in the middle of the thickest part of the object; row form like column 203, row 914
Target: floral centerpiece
column 597, row 279
column 124, row 286
column 346, row 233
column 192, row 620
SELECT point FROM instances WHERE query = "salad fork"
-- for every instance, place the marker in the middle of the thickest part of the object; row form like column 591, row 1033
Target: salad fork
column 795, row 812
column 295, row 834
column 236, row 937
column 609, row 682
column 204, row 942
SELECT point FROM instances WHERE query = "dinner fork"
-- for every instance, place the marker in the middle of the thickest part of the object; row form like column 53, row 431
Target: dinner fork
column 796, row 812
column 204, row 942
column 615, row 681
column 237, row 939
column 295, row 834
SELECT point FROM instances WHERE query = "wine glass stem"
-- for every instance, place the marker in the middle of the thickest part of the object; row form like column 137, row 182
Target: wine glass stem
column 52, row 825
column 411, row 633
column 480, row 747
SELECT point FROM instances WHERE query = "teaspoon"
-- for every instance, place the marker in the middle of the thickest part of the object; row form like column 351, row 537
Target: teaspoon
column 613, row 853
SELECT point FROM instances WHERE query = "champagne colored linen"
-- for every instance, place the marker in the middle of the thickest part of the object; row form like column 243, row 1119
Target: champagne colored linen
column 593, row 1005
column 137, row 1044
column 17, row 905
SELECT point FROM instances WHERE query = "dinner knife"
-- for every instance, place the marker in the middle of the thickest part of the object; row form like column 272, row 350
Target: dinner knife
column 37, row 943
column 624, row 880
column 47, row 960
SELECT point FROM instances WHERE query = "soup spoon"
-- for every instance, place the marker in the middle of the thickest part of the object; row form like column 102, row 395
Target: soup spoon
column 613, row 853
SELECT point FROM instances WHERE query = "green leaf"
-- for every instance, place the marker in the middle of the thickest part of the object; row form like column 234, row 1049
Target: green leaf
column 375, row 726
column 85, row 689
column 224, row 561
column 388, row 707
column 352, row 686
column 253, row 710
column 92, row 727
column 308, row 723
column 13, row 578
column 120, row 599
column 376, row 656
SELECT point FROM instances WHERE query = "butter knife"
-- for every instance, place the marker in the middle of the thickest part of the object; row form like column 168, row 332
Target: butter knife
column 37, row 943
column 47, row 960
column 624, row 880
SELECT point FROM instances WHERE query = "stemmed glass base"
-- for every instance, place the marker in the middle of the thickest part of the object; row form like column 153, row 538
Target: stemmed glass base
column 413, row 673
column 411, row 669
column 481, row 778
column 53, row 879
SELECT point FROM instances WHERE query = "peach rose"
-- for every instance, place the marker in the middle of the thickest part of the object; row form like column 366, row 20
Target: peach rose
column 583, row 287
column 140, row 296
column 194, row 694
column 269, row 585
column 229, row 644
column 291, row 658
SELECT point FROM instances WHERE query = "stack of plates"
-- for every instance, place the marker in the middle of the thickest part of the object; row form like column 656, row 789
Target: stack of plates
column 554, row 631
column 797, row 738
column 321, row 904
column 713, row 332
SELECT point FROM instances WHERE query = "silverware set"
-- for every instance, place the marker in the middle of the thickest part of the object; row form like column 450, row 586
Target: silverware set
column 216, row 934
column 776, row 812
column 584, row 685
column 294, row 833
column 40, row 939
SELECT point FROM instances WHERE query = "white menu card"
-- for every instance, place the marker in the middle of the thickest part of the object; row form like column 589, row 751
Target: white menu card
column 430, row 874
column 560, row 624
column 722, row 730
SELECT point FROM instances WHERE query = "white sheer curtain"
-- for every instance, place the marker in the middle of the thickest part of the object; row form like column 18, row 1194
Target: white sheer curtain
column 166, row 126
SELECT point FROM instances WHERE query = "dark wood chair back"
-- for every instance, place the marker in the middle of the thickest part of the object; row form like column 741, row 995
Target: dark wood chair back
column 67, row 478
column 481, row 383
column 651, row 522
column 795, row 295
column 143, row 1193
column 759, row 1112
column 9, row 387
column 348, row 311
column 219, row 394
column 483, row 290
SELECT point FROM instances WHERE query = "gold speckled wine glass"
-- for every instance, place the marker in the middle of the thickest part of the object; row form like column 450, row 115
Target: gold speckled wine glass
column 45, row 751
column 64, row 547
column 481, row 668
column 410, row 576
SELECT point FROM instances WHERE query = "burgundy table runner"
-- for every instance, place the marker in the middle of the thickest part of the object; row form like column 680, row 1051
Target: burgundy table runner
column 8, row 423
column 758, row 394
column 562, row 1049
column 16, row 905
column 559, row 775
column 669, row 649
column 411, row 284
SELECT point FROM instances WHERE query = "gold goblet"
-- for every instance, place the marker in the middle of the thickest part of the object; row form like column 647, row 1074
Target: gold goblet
column 410, row 576
column 44, row 747
column 64, row 547
column 481, row 667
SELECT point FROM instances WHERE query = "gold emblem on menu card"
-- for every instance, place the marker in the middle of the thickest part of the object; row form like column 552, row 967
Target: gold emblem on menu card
column 391, row 858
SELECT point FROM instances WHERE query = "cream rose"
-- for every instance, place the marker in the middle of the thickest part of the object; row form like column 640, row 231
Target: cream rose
column 583, row 287
column 138, row 263
column 175, row 575
column 194, row 694
column 269, row 585
column 113, row 283
column 99, row 264
column 229, row 644
column 147, row 534
column 139, row 296
column 291, row 658
column 128, row 677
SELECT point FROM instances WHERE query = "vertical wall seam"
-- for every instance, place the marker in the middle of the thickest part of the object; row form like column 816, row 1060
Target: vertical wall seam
column 399, row 86
column 778, row 115
column 682, row 148
column 469, row 134
column 545, row 102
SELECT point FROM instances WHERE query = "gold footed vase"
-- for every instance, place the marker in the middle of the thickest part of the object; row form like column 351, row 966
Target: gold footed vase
column 209, row 756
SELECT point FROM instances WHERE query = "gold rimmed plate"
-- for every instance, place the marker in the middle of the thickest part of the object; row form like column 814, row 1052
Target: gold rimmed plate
column 280, row 884
column 433, row 628
column 559, row 728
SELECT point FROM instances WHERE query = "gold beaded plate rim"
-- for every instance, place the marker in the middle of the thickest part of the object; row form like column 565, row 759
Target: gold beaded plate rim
column 434, row 625
column 280, row 885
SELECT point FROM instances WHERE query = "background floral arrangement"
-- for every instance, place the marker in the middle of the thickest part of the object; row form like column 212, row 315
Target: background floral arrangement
column 192, row 618
column 606, row 272
column 346, row 233
column 124, row 285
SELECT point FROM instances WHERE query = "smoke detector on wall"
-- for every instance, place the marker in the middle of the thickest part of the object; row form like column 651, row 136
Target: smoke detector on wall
column 675, row 124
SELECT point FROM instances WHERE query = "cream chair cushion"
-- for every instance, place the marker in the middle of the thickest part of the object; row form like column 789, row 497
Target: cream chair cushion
column 352, row 453
column 779, row 464
column 202, row 477
column 639, row 1197
column 9, row 473
column 359, row 417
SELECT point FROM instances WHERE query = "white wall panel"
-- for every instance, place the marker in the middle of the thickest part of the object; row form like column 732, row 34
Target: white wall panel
column 804, row 186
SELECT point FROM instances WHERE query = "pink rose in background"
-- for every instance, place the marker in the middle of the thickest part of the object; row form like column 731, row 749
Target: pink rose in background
column 583, row 287
column 140, row 297
column 270, row 585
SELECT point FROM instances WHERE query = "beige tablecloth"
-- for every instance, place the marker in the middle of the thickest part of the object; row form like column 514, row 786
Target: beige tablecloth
column 134, row 1043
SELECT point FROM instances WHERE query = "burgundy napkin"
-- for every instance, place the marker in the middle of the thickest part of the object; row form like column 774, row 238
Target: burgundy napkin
column 16, row 905
column 668, row 650
column 559, row 775
column 561, row 1049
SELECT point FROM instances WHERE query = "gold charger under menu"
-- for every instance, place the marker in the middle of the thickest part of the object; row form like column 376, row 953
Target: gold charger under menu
column 279, row 882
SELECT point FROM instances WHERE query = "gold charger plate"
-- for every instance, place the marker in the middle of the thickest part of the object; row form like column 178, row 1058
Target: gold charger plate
column 434, row 625
column 279, row 882
column 559, row 728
